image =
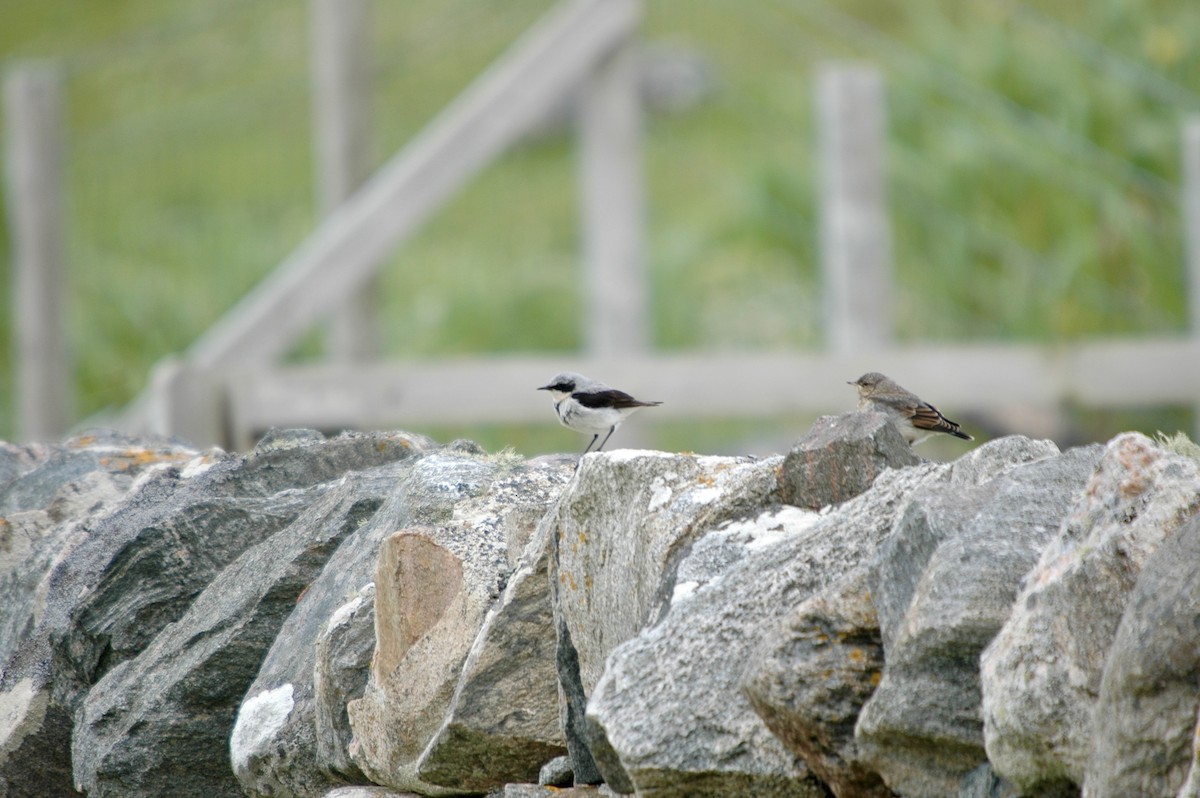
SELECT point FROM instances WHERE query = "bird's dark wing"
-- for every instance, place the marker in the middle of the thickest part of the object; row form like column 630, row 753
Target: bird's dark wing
column 609, row 398
column 926, row 416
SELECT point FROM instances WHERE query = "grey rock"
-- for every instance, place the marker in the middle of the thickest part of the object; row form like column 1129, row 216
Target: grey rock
column 690, row 666
column 339, row 675
column 45, row 504
column 811, row 679
column 176, row 701
column 546, row 791
column 982, row 782
column 1041, row 674
column 32, row 476
column 939, row 512
column 1191, row 785
column 434, row 587
column 503, row 721
column 322, row 653
column 619, row 531
column 985, row 463
column 82, row 625
column 17, row 460
column 368, row 792
column 840, row 456
column 946, row 581
column 35, row 734
column 299, row 458
column 558, row 772
column 1145, row 723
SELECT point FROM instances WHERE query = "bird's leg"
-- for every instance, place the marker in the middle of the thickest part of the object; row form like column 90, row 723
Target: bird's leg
column 611, row 430
column 589, row 446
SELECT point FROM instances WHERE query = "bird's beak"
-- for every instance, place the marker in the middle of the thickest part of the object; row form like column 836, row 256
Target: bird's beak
column 851, row 382
column 544, row 388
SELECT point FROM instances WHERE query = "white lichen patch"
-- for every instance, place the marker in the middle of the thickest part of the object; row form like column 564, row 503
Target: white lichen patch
column 198, row 465
column 770, row 527
column 343, row 613
column 705, row 495
column 22, row 710
column 683, row 590
column 629, row 455
column 260, row 718
column 660, row 494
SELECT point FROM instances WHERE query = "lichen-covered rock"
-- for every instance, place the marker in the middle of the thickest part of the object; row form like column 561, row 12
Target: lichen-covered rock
column 687, row 668
column 125, row 571
column 1144, row 729
column 810, row 681
column 503, row 721
column 51, row 492
column 341, row 662
column 618, row 532
column 434, row 586
column 945, row 583
column 690, row 666
column 325, row 648
column 840, row 456
column 176, row 701
column 1041, row 674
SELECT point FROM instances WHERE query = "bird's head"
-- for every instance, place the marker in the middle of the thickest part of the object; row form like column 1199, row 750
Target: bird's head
column 562, row 385
column 869, row 383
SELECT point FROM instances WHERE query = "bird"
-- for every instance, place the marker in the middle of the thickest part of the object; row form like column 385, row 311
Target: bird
column 915, row 419
column 586, row 405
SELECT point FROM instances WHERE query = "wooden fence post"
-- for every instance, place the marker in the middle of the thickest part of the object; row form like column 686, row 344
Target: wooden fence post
column 854, row 233
column 33, row 109
column 188, row 403
column 1191, row 235
column 341, row 77
column 616, row 302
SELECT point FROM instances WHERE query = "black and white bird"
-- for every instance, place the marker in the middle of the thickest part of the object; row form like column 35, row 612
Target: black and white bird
column 590, row 406
column 916, row 419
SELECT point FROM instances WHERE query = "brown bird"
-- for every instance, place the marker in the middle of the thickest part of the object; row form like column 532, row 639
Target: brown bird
column 915, row 419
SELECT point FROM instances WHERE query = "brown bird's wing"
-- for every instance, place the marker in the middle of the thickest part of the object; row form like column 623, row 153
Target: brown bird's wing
column 926, row 416
column 610, row 398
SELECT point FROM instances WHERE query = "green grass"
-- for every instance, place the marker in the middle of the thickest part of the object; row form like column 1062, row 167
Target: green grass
column 1031, row 176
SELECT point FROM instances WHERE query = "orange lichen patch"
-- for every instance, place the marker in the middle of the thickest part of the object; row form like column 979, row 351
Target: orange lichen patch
column 587, row 581
column 875, row 678
column 723, row 467
column 82, row 441
column 582, row 536
column 706, row 480
column 137, row 458
column 571, row 579
column 857, row 656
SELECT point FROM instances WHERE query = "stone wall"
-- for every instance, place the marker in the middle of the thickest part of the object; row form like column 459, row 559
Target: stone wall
column 379, row 615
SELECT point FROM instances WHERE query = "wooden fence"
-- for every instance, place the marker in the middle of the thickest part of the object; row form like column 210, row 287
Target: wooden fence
column 230, row 385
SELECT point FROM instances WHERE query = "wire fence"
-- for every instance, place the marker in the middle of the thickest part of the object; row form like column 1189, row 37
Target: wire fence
column 1022, row 207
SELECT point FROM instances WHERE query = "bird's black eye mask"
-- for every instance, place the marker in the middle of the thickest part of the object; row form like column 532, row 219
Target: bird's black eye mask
column 563, row 387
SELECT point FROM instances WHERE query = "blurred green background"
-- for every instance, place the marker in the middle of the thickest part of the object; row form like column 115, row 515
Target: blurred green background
column 1033, row 179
